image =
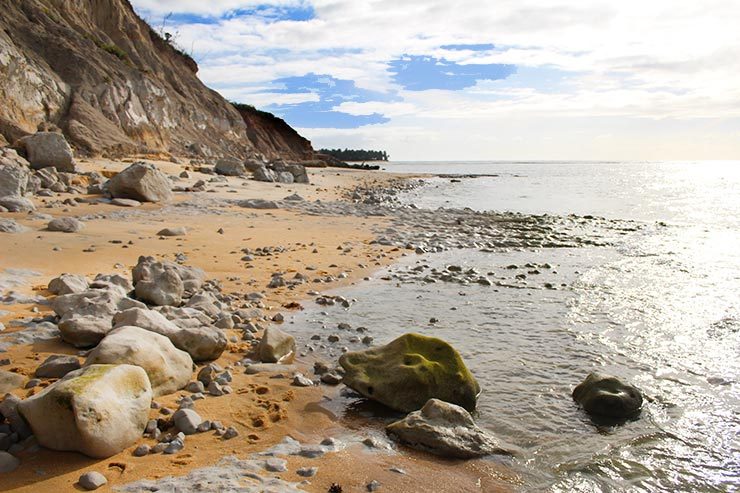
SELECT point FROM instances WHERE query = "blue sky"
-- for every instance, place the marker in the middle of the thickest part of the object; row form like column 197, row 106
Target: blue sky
column 477, row 80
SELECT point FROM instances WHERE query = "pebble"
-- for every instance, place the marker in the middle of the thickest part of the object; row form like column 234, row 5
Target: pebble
column 276, row 465
column 187, row 421
column 307, row 472
column 92, row 480
column 331, row 378
column 142, row 450
column 8, row 463
column 373, row 485
column 230, row 433
column 299, row 380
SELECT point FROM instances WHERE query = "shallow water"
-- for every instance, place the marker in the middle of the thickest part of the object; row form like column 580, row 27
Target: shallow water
column 660, row 308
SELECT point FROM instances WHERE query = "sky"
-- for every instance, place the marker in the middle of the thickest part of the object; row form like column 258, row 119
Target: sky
column 477, row 79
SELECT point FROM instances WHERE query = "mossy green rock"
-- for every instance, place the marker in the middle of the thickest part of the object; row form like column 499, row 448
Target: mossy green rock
column 410, row 370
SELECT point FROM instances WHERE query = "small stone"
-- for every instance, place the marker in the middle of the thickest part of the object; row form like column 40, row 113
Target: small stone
column 373, row 485
column 397, row 470
column 307, row 472
column 331, row 378
column 215, row 389
column 142, row 450
column 230, row 433
column 187, row 421
column 195, row 387
column 8, row 463
column 178, row 231
column 175, row 446
column 92, row 480
column 299, row 380
column 158, row 448
column 276, row 465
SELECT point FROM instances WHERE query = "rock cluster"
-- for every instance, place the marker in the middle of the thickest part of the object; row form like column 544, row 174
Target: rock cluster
column 279, row 172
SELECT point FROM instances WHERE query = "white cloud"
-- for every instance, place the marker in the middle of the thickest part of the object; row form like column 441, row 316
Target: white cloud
column 629, row 61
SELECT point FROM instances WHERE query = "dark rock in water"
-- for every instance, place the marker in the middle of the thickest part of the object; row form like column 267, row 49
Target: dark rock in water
column 605, row 395
column 409, row 371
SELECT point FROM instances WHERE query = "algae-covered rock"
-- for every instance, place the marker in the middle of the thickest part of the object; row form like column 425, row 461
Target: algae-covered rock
column 444, row 429
column 98, row 410
column 167, row 367
column 605, row 395
column 410, row 370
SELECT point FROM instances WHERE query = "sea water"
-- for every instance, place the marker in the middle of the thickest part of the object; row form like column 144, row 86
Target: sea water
column 659, row 308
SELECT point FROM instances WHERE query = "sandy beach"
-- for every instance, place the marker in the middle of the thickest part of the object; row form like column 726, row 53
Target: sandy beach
column 264, row 408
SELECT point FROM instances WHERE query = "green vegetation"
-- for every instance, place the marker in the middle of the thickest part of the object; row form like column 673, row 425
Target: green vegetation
column 249, row 107
column 356, row 154
column 115, row 50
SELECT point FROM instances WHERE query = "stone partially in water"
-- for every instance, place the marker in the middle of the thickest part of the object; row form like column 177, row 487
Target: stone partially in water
column 605, row 395
column 410, row 370
column 444, row 429
column 98, row 410
column 276, row 346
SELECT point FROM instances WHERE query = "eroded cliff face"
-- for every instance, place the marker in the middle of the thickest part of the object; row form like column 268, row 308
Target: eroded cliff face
column 101, row 74
column 273, row 138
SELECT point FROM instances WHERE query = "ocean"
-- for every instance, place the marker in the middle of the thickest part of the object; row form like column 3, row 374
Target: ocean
column 659, row 307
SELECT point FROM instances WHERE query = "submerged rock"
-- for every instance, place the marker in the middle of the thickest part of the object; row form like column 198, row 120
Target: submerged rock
column 410, row 370
column 98, row 410
column 167, row 367
column 444, row 429
column 276, row 346
column 142, row 182
column 605, row 395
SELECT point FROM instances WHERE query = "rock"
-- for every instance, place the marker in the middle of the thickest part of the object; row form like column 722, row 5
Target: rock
column 87, row 317
column 125, row 202
column 98, row 410
column 13, row 180
column 230, row 433
column 201, row 343
column 9, row 410
column 307, row 472
column 165, row 283
column 65, row 225
column 57, row 366
column 373, row 485
column 204, row 302
column 276, row 346
column 10, row 381
column 299, row 380
column 276, row 465
column 92, row 480
column 410, row 370
column 331, row 378
column 178, row 231
column 142, row 450
column 16, row 204
column 605, row 395
column 258, row 204
column 10, row 226
column 142, row 182
column 46, row 149
column 257, row 368
column 187, row 421
column 167, row 367
column 68, row 283
column 230, row 167
column 294, row 198
column 8, row 463
column 444, row 429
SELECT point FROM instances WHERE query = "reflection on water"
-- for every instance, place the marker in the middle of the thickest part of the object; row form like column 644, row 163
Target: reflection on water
column 661, row 309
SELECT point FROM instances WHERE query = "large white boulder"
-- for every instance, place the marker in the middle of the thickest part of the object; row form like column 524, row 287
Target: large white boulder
column 47, row 149
column 98, row 410
column 202, row 342
column 169, row 369
column 165, row 283
column 142, row 182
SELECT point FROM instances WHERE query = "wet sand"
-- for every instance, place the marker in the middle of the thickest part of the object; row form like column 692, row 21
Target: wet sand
column 262, row 408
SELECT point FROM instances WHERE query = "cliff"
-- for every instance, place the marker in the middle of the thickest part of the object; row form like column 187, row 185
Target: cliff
column 98, row 72
column 274, row 138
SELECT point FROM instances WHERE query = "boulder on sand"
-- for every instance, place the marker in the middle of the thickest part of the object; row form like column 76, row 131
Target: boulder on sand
column 68, row 283
column 444, row 429
column 605, row 395
column 10, row 381
column 65, row 225
column 167, row 367
column 14, row 179
column 47, row 149
column 276, row 346
column 98, row 410
column 202, row 343
column 230, row 167
column 87, row 317
column 165, row 283
column 410, row 370
column 142, row 182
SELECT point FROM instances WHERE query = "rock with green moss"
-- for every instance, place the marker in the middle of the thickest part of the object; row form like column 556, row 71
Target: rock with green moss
column 98, row 410
column 409, row 371
column 169, row 369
